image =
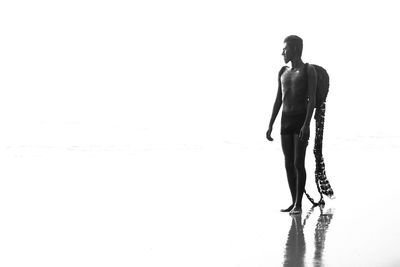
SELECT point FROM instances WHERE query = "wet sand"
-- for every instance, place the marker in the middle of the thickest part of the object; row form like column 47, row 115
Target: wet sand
column 195, row 205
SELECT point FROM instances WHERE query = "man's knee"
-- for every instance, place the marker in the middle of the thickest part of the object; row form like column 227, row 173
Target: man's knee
column 299, row 164
column 289, row 164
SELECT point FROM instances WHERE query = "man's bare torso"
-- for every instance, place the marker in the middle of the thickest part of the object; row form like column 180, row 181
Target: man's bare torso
column 294, row 90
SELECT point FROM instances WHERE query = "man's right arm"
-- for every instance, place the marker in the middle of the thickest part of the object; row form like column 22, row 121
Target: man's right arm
column 277, row 106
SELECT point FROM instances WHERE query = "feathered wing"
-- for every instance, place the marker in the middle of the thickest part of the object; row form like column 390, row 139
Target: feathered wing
column 323, row 184
column 321, row 180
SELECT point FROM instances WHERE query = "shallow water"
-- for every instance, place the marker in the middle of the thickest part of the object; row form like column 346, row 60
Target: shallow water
column 195, row 205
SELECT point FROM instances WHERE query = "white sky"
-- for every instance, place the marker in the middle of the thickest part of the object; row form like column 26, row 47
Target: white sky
column 74, row 71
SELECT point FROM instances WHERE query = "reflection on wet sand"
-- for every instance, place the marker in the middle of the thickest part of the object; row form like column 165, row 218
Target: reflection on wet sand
column 295, row 249
column 320, row 235
column 295, row 245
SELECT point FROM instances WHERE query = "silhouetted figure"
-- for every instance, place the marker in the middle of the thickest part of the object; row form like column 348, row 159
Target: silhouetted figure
column 296, row 94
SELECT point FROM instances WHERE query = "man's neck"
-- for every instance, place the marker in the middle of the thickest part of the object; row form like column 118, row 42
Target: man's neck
column 297, row 63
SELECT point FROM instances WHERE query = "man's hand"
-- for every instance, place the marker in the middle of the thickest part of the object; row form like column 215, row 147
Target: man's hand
column 304, row 134
column 269, row 134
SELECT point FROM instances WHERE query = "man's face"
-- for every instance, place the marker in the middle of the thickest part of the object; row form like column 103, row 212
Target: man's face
column 288, row 52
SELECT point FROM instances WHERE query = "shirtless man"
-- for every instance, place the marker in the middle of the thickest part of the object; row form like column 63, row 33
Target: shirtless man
column 296, row 91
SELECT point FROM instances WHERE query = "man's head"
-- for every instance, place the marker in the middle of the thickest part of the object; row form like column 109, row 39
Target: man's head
column 293, row 48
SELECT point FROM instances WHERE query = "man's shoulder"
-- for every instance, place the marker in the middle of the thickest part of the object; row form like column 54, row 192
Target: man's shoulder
column 310, row 69
column 283, row 69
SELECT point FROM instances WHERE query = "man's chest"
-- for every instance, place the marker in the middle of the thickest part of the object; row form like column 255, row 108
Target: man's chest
column 293, row 82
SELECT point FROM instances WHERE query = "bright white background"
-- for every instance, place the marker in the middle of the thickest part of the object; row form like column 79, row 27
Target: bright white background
column 125, row 123
column 75, row 71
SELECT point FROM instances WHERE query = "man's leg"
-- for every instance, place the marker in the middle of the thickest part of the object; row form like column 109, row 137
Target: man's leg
column 288, row 148
column 300, row 148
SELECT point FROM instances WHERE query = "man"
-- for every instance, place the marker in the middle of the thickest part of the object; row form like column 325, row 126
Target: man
column 296, row 92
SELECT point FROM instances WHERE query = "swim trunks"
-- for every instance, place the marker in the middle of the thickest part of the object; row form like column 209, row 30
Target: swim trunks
column 292, row 123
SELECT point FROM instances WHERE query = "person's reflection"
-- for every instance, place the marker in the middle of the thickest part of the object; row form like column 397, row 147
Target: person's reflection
column 295, row 249
column 295, row 245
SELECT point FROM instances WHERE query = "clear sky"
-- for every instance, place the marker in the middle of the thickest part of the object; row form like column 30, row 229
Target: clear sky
column 188, row 70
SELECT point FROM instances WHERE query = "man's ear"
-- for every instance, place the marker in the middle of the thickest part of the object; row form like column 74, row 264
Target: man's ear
column 296, row 49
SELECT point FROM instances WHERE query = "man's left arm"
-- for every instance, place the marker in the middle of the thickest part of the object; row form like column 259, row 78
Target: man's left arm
column 311, row 92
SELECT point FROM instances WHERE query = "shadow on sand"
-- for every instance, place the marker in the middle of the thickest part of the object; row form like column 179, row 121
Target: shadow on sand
column 295, row 248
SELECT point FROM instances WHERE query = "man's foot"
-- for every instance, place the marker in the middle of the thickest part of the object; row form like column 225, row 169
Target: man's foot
column 295, row 210
column 288, row 209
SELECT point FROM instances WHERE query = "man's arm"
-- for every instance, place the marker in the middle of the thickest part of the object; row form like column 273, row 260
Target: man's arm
column 311, row 91
column 277, row 106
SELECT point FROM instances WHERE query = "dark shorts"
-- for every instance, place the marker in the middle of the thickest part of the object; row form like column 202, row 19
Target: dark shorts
column 292, row 123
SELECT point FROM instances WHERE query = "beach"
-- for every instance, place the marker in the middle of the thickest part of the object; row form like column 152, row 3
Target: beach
column 133, row 134
column 195, row 205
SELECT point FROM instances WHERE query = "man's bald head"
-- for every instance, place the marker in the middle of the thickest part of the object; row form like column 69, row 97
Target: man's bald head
column 296, row 43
